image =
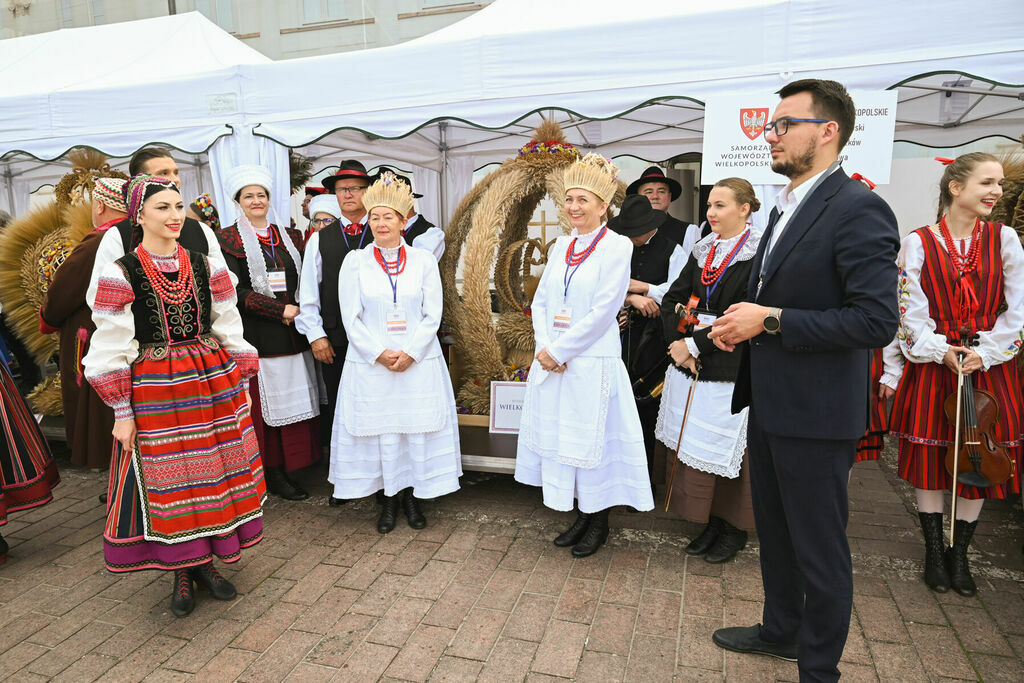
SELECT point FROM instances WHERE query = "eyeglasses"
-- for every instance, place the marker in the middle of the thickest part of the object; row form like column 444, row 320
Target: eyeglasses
column 351, row 190
column 781, row 126
column 322, row 221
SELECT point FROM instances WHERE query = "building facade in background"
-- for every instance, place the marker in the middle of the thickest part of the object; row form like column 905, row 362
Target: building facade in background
column 280, row 29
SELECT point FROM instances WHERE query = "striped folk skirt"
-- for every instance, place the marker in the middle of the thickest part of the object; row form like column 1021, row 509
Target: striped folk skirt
column 193, row 487
column 870, row 446
column 27, row 470
column 925, row 434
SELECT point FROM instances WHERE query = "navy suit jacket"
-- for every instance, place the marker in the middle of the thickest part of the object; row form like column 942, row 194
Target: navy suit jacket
column 833, row 273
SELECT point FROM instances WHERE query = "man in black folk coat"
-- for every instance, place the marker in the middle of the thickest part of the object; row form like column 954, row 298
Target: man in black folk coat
column 822, row 294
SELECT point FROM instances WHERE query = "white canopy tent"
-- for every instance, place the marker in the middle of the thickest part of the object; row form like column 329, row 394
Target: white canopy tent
column 473, row 92
column 173, row 81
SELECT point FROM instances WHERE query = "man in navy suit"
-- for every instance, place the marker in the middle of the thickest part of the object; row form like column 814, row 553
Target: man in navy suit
column 822, row 293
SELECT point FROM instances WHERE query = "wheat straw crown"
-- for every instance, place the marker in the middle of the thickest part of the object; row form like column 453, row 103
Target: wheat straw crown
column 391, row 192
column 594, row 173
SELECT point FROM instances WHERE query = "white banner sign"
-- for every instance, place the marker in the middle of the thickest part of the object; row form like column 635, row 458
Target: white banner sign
column 735, row 146
column 506, row 406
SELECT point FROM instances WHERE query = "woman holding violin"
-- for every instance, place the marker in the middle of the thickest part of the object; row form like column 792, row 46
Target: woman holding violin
column 961, row 291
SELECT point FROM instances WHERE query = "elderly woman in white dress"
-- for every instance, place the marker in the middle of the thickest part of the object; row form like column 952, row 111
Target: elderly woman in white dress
column 580, row 438
column 395, row 425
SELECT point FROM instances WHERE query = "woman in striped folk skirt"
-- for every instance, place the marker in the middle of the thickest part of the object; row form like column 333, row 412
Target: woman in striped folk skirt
column 27, row 470
column 186, row 480
column 961, row 273
column 870, row 446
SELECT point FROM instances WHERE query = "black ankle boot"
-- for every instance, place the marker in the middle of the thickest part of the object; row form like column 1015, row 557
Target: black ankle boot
column 956, row 559
column 183, row 599
column 594, row 537
column 207, row 575
column 936, row 576
column 573, row 534
column 388, row 512
column 729, row 542
column 279, row 484
column 413, row 513
column 706, row 539
column 3, row 550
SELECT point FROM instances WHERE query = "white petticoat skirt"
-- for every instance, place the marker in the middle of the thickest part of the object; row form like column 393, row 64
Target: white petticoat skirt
column 714, row 439
column 429, row 462
column 620, row 476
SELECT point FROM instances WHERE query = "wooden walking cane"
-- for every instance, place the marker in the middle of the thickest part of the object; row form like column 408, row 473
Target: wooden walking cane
column 956, row 447
column 679, row 443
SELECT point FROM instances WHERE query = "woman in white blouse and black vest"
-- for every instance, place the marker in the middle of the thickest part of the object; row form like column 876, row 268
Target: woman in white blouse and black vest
column 395, row 425
column 580, row 438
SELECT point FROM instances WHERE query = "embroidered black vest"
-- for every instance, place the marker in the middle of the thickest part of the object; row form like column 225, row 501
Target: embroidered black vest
column 333, row 250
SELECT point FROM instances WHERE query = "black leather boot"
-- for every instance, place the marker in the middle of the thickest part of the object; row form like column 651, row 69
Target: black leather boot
column 388, row 512
column 413, row 513
column 183, row 599
column 3, row 550
column 729, row 542
column 956, row 559
column 207, row 575
column 595, row 535
column 573, row 534
column 706, row 539
column 279, row 484
column 935, row 575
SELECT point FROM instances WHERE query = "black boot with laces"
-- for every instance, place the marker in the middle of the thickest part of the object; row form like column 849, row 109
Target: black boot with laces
column 206, row 575
column 183, row 600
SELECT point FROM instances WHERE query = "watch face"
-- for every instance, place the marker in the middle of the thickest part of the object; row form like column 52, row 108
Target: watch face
column 771, row 323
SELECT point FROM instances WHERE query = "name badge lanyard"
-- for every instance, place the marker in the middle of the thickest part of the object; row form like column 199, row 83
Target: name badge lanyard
column 399, row 267
column 574, row 262
column 272, row 254
column 725, row 266
column 362, row 238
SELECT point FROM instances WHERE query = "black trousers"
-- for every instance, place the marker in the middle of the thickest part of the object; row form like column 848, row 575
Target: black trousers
column 799, row 490
column 648, row 422
column 332, row 379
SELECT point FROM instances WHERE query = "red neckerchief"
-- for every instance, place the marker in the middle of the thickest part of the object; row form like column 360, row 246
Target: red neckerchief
column 109, row 224
column 352, row 229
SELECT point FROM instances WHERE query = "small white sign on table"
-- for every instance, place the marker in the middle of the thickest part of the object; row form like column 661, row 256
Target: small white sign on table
column 506, row 406
column 735, row 146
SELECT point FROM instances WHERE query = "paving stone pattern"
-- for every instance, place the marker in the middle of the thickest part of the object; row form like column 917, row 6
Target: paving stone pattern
column 482, row 594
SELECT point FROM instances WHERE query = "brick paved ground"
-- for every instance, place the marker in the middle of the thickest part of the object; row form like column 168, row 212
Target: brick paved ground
column 482, row 594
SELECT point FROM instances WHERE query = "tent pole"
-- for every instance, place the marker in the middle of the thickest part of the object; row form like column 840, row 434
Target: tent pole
column 9, row 178
column 197, row 162
column 442, row 146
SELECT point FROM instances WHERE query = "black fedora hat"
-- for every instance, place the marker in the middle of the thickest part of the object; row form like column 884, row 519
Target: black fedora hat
column 404, row 179
column 653, row 174
column 636, row 217
column 349, row 168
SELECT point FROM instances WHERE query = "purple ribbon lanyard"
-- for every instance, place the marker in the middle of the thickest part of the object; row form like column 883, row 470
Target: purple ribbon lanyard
column 725, row 266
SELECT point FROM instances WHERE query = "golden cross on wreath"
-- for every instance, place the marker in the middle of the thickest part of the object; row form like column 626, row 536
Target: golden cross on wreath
column 543, row 224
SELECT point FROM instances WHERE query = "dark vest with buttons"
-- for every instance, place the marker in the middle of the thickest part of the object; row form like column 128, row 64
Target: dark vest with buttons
column 418, row 228
column 192, row 236
column 643, row 344
column 333, row 250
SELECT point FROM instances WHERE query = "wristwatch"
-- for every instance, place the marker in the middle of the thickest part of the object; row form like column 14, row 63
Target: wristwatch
column 773, row 321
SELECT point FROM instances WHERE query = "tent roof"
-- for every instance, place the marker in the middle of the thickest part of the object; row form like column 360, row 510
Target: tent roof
column 503, row 66
column 172, row 80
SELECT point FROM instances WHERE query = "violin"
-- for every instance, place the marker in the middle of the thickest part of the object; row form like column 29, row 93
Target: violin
column 975, row 458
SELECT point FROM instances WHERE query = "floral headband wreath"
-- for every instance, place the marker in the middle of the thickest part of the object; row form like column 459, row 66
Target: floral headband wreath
column 203, row 205
column 140, row 188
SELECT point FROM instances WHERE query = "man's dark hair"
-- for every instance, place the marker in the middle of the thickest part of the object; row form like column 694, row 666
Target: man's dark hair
column 140, row 158
column 830, row 101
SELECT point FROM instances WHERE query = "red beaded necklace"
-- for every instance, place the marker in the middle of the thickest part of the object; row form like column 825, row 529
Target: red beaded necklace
column 963, row 262
column 391, row 267
column 171, row 291
column 574, row 259
column 708, row 274
column 271, row 240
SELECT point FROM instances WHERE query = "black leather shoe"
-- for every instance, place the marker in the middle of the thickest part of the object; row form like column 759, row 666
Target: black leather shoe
column 956, row 559
column 103, row 498
column 747, row 639
column 388, row 512
column 594, row 537
column 706, row 539
column 573, row 534
column 413, row 513
column 183, row 600
column 3, row 550
column 336, row 502
column 279, row 484
column 206, row 575
column 936, row 576
column 729, row 542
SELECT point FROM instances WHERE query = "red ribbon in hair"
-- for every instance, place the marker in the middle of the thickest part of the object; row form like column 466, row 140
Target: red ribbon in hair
column 945, row 161
column 866, row 181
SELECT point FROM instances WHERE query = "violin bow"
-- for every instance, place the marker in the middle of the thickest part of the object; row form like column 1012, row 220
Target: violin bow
column 679, row 443
column 956, row 445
